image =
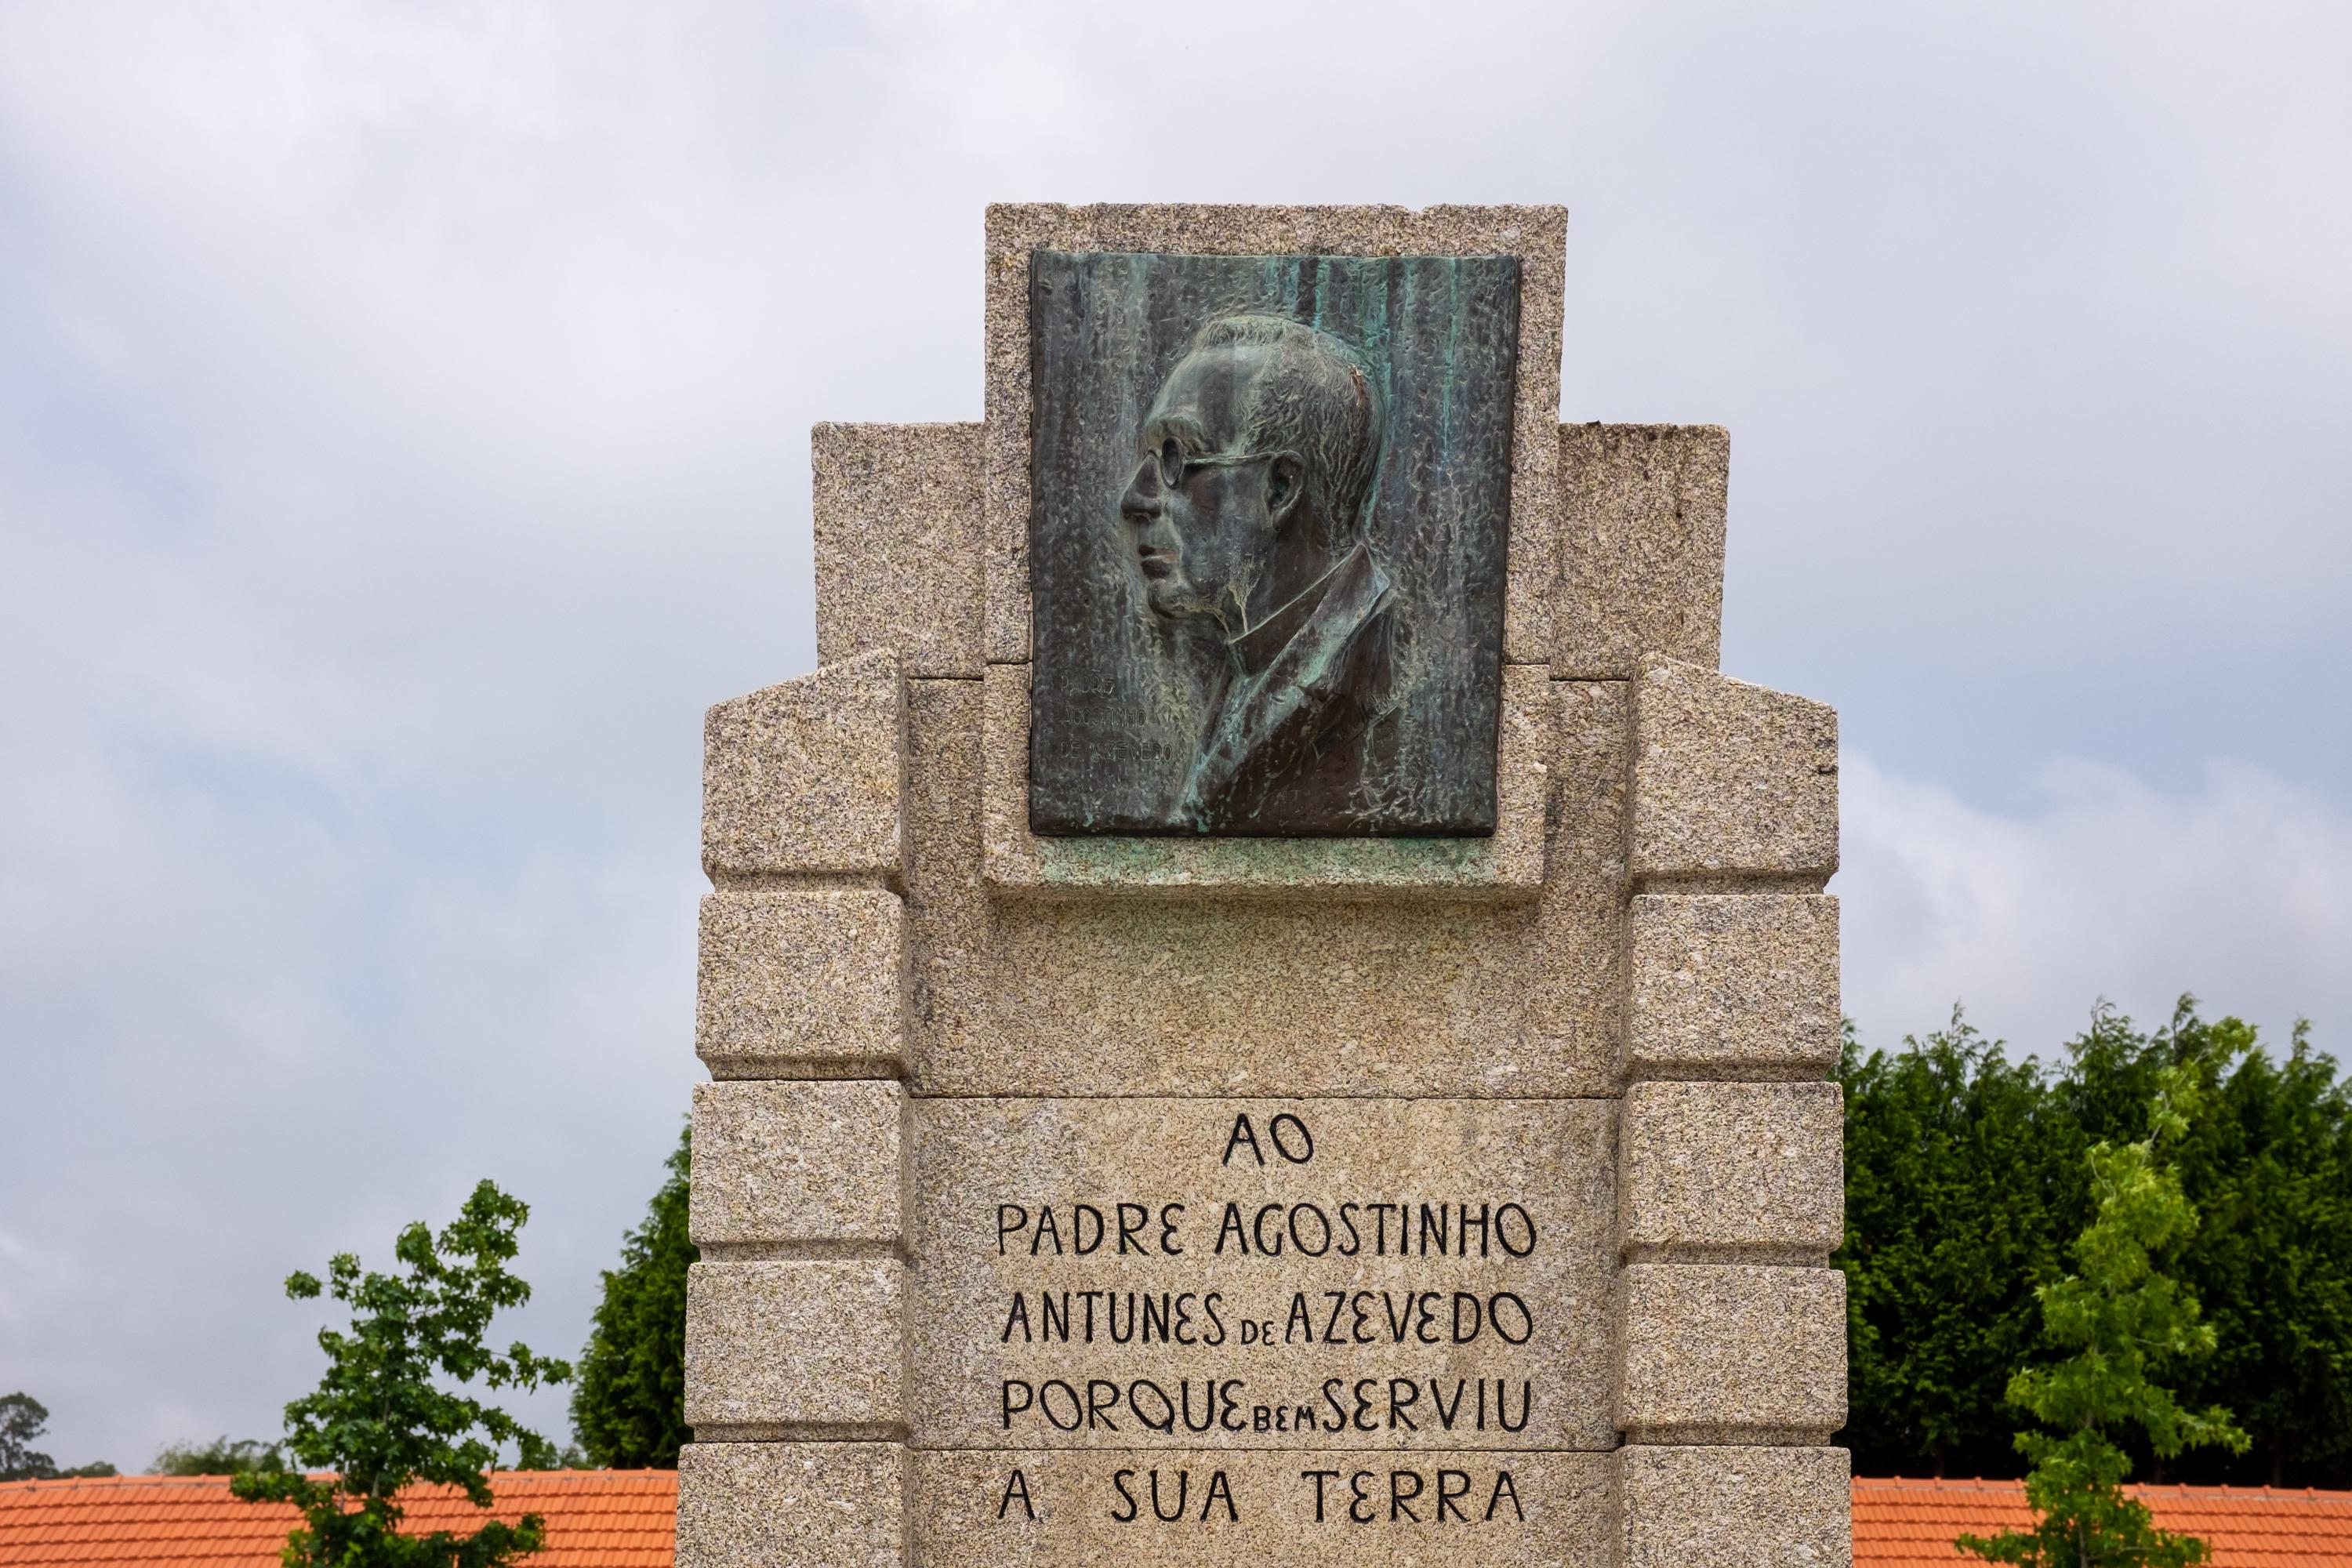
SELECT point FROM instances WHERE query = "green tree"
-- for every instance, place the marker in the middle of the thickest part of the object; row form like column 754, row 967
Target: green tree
column 629, row 1405
column 224, row 1456
column 2273, row 1261
column 2125, row 1319
column 381, row 1419
column 23, row 1419
column 1965, row 1176
column 2268, row 1164
column 1953, row 1157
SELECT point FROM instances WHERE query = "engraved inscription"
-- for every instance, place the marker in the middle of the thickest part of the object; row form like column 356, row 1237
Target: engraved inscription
column 1424, row 1274
column 1271, row 1509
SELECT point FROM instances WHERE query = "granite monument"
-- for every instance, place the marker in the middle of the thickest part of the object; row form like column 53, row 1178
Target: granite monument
column 1266, row 1004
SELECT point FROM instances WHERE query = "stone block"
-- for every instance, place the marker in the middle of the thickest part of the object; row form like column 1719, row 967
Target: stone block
column 802, row 985
column 1537, row 235
column 1730, row 1354
column 1730, row 1507
column 1378, row 1509
column 1732, row 1171
column 808, row 777
column 1733, row 985
column 1642, row 530
column 898, row 545
column 1507, row 867
column 1424, row 996
column 800, row 1349
column 799, row 1165
column 758, row 1505
column 1730, row 781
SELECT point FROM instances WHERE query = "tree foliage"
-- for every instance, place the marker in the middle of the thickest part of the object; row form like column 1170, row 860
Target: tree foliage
column 1952, row 1158
column 2126, row 1320
column 629, row 1405
column 383, row 1416
column 23, row 1419
column 1967, row 1175
column 2270, row 1169
column 224, row 1456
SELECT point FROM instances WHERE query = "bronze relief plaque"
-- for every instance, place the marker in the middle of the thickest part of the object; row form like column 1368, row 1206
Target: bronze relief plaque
column 1270, row 497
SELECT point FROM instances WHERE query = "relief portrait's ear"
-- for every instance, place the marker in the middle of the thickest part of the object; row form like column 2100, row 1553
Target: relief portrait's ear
column 1285, row 482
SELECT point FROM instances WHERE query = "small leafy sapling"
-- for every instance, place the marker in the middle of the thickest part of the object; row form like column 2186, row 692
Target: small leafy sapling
column 2125, row 1318
column 383, row 1418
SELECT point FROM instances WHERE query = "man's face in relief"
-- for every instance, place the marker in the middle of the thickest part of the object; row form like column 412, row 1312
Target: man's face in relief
column 1204, row 514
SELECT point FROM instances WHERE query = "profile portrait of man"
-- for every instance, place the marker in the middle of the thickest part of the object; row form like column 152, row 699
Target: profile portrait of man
column 1248, row 512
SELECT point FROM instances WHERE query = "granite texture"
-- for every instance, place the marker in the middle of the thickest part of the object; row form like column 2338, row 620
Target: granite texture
column 796, row 1349
column 1732, row 1171
column 1730, row 780
column 1642, row 530
column 808, row 777
column 1552, row 1158
column 1455, row 1021
column 798, row 1165
column 1730, row 1354
column 1507, row 867
column 1562, row 1519
column 756, row 1505
column 802, row 985
column 1536, row 235
column 898, row 545
column 1131, row 996
column 1735, row 1508
column 1733, row 986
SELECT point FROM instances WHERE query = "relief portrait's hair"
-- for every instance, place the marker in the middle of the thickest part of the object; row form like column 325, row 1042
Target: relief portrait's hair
column 1315, row 396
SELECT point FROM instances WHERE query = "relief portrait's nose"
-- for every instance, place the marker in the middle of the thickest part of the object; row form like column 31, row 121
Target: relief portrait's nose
column 1141, row 502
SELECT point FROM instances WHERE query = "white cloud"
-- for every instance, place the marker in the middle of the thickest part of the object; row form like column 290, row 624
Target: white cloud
column 2098, row 887
column 401, row 438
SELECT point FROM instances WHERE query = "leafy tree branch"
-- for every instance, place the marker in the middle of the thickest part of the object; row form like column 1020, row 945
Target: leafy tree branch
column 382, row 1418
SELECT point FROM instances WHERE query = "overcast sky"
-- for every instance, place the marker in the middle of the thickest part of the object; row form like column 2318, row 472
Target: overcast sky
column 404, row 422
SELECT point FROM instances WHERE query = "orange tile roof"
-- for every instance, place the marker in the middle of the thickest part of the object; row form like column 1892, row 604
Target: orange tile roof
column 595, row 1519
column 624, row 1519
column 1910, row 1523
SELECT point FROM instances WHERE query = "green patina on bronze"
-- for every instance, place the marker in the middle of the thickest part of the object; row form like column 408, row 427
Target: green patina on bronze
column 1270, row 506
column 1123, row 862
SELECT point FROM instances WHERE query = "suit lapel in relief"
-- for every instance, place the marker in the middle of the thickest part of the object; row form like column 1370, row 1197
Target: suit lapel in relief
column 1307, row 686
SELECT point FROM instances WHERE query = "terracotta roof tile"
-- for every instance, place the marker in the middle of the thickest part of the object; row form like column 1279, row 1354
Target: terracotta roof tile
column 624, row 1519
column 595, row 1519
column 1902, row 1523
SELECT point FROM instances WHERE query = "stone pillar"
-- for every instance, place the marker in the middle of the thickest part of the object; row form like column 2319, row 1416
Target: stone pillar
column 796, row 1314
column 1011, row 1136
column 1731, row 1326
